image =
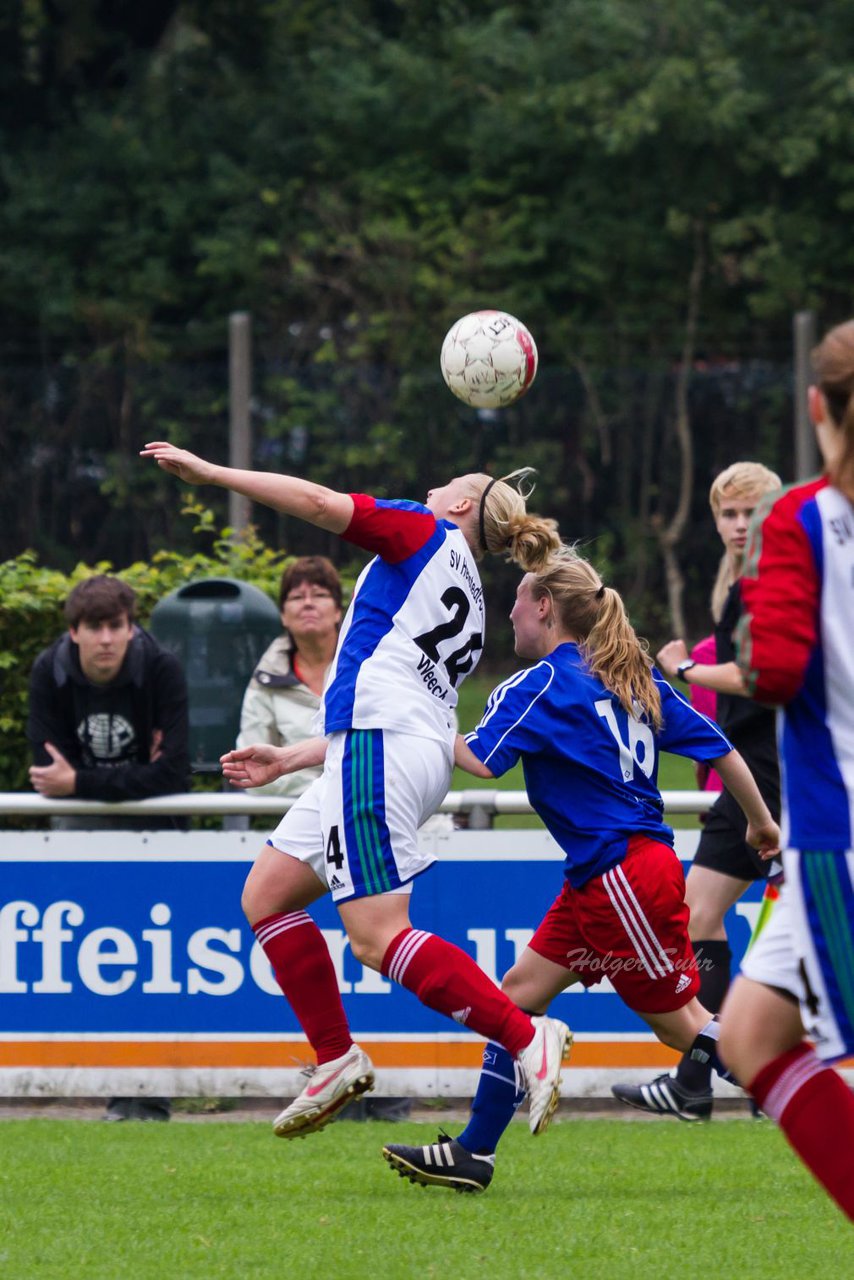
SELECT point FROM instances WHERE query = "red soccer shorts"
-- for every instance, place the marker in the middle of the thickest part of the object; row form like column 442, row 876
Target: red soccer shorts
column 629, row 925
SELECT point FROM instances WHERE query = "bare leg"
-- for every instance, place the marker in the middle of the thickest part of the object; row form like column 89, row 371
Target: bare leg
column 680, row 1028
column 278, row 883
column 534, row 981
column 757, row 1025
column 709, row 896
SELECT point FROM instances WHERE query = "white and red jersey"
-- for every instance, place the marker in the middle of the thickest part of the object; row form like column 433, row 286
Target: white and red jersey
column 796, row 648
column 414, row 629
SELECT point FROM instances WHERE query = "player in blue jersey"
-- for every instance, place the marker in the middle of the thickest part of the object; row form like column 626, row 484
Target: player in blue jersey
column 588, row 720
column 413, row 631
column 791, row 1013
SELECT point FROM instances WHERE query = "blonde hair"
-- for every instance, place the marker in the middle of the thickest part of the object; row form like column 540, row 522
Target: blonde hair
column 833, row 363
column 504, row 525
column 741, row 481
column 595, row 614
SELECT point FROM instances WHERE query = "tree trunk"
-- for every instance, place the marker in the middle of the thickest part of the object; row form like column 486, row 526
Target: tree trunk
column 670, row 535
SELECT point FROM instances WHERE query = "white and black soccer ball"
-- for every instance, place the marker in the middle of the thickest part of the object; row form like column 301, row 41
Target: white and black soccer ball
column 488, row 359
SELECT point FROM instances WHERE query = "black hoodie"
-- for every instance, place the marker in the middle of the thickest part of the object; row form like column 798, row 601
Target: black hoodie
column 105, row 731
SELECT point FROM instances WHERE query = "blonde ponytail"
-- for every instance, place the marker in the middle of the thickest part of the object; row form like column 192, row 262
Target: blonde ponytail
column 724, row 579
column 505, row 526
column 596, row 616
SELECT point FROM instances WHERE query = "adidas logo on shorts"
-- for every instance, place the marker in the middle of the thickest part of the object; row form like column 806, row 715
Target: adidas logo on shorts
column 684, row 981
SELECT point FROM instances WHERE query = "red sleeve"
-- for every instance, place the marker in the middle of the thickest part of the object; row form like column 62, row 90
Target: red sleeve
column 392, row 530
column 780, row 591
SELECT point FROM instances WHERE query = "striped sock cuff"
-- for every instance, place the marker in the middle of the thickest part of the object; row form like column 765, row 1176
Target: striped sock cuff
column 271, row 926
column 400, row 952
column 781, row 1080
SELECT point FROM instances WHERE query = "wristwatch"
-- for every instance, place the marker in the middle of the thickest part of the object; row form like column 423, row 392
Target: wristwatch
column 685, row 666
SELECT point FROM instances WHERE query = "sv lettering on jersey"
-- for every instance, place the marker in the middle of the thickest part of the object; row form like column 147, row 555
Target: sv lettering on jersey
column 461, row 566
column 428, row 674
column 842, row 529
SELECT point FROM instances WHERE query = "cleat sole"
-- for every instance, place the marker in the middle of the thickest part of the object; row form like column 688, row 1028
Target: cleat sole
column 313, row 1121
column 552, row 1104
column 419, row 1178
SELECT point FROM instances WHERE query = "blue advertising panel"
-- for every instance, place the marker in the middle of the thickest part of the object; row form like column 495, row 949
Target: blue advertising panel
column 142, row 936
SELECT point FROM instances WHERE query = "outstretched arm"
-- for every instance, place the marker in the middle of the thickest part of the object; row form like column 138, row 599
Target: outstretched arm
column 762, row 831
column 289, row 494
column 720, row 677
column 257, row 765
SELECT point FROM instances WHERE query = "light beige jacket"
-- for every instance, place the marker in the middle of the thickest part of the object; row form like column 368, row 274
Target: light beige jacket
column 278, row 708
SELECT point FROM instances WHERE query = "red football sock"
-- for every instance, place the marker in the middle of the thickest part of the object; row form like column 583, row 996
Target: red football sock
column 304, row 970
column 446, row 979
column 815, row 1109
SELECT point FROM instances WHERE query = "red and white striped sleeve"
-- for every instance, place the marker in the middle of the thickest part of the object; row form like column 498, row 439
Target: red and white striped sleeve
column 780, row 590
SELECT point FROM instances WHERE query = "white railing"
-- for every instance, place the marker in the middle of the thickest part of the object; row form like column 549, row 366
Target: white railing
column 481, row 805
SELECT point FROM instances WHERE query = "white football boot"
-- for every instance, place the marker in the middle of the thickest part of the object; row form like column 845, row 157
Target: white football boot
column 330, row 1087
column 540, row 1064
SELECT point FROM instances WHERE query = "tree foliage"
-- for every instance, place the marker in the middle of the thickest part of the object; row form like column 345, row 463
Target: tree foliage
column 654, row 188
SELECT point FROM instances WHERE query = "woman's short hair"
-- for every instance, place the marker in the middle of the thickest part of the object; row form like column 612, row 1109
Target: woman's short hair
column 317, row 571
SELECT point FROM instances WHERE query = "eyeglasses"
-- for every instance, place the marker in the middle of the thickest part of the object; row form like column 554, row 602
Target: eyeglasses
column 312, row 596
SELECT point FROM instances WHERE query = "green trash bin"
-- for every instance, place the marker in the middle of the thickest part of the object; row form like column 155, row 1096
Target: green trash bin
column 218, row 628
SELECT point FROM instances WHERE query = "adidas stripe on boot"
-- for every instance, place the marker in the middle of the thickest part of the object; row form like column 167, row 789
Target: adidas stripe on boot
column 443, row 1163
column 665, row 1096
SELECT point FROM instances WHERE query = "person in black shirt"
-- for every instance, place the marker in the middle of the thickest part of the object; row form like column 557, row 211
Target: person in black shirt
column 724, row 865
column 108, row 720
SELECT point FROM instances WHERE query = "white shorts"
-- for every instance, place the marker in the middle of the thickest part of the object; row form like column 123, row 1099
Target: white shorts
column 357, row 825
column 807, row 947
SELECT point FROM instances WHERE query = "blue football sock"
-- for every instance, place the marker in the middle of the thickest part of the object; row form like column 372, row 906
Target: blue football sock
column 495, row 1102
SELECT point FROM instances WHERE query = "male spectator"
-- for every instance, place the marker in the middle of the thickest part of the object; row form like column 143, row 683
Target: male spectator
column 108, row 720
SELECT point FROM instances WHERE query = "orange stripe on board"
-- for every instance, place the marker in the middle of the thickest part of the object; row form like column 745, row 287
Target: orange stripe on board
column 291, row 1054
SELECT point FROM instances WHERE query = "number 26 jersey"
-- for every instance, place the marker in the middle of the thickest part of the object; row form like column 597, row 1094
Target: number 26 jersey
column 414, row 629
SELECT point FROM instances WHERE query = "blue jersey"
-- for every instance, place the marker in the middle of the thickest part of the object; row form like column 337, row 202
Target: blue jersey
column 590, row 768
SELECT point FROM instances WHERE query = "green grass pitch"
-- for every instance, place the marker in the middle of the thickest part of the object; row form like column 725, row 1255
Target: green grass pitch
column 594, row 1199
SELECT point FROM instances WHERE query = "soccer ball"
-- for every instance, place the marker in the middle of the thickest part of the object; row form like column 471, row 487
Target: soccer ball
column 488, row 359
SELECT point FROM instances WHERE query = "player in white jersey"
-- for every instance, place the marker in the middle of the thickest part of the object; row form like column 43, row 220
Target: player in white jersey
column 791, row 1013
column 413, row 631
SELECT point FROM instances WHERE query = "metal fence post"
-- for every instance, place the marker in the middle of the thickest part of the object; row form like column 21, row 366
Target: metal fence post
column 806, row 449
column 239, row 410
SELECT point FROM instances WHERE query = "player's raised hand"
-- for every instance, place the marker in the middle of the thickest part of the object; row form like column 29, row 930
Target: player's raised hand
column 179, row 462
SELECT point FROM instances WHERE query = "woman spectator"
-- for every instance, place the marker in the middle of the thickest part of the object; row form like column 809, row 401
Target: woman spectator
column 282, row 699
